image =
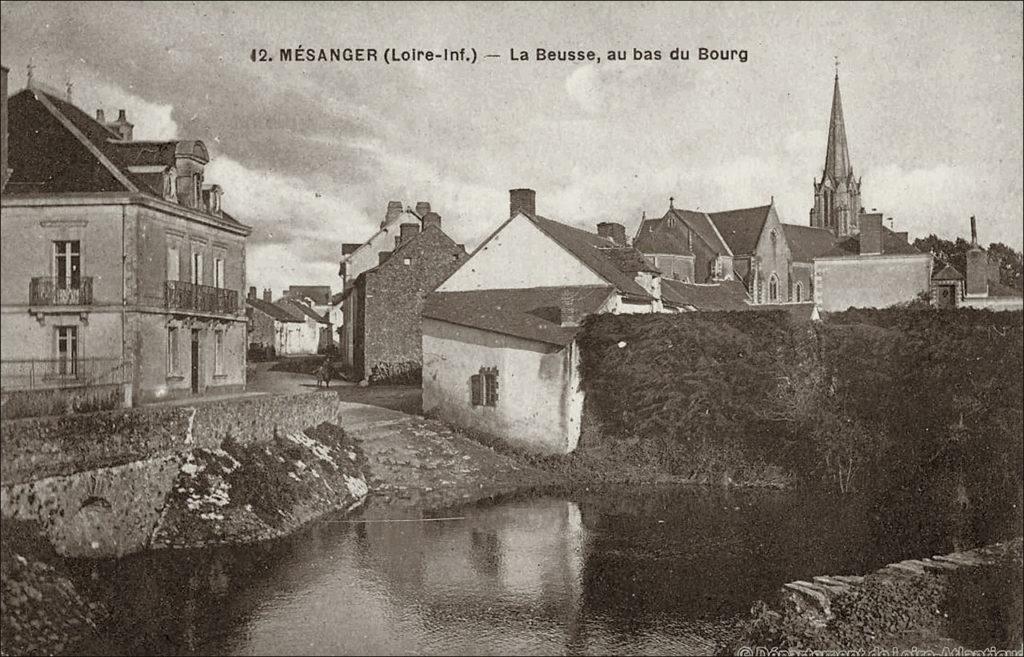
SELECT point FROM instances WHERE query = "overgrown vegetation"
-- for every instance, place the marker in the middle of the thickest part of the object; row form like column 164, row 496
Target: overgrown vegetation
column 397, row 373
column 879, row 401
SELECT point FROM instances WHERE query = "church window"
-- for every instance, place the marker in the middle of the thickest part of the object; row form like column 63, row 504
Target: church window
column 775, row 243
column 798, row 293
column 773, row 289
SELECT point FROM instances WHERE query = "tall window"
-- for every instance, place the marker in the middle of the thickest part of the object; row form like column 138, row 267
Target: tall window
column 173, row 264
column 484, row 387
column 173, row 358
column 798, row 293
column 197, row 268
column 218, row 272
column 218, row 353
column 773, row 289
column 67, row 264
column 775, row 243
column 67, row 350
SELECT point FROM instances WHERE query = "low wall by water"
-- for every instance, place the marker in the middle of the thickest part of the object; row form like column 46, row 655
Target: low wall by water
column 36, row 448
column 928, row 598
column 99, row 482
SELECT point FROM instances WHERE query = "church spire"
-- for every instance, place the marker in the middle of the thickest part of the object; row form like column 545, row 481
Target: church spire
column 837, row 154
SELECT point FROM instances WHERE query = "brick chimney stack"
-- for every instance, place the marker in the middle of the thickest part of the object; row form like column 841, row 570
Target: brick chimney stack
column 522, row 200
column 267, row 295
column 101, row 117
column 568, row 312
column 976, row 284
column 121, row 126
column 422, row 208
column 613, row 231
column 431, row 219
column 252, row 291
column 871, row 234
column 394, row 209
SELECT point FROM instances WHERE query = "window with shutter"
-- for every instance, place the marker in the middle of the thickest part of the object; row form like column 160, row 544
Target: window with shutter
column 490, row 385
column 476, row 388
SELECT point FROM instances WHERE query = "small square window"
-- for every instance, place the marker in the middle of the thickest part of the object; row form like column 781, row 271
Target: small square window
column 407, row 261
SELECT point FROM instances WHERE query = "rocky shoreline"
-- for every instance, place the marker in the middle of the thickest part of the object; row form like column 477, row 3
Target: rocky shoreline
column 962, row 600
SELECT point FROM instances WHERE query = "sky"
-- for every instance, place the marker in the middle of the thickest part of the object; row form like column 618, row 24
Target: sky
column 310, row 153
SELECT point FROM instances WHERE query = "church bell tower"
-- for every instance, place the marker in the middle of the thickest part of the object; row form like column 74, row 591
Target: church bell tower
column 837, row 196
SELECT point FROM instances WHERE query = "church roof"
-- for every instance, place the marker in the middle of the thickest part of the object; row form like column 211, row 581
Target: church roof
column 837, row 153
column 807, row 242
column 892, row 244
column 723, row 295
column 661, row 235
column 741, row 228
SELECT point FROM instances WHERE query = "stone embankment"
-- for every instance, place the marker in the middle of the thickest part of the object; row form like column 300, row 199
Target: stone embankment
column 969, row 599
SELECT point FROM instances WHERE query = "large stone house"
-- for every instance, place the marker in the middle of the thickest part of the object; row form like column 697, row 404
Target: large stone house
column 120, row 265
column 384, row 303
column 499, row 335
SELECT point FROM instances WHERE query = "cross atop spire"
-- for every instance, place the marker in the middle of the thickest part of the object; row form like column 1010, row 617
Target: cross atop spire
column 837, row 66
column 671, row 202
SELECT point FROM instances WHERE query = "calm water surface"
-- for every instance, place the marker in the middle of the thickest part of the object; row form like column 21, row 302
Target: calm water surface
column 662, row 572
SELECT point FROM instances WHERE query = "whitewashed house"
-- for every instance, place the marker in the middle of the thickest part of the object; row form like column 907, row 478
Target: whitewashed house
column 499, row 335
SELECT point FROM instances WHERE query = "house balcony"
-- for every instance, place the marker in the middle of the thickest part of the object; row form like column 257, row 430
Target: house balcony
column 180, row 295
column 58, row 291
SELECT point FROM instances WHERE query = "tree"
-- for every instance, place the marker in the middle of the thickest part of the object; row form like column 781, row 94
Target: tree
column 1010, row 264
column 954, row 253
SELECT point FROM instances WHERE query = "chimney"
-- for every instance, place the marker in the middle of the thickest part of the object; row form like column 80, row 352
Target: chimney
column 3, row 127
column 431, row 219
column 522, row 200
column 871, row 234
column 100, row 117
column 121, row 126
column 252, row 291
column 394, row 209
column 977, row 266
column 267, row 296
column 382, row 257
column 613, row 231
column 407, row 232
column 422, row 208
column 568, row 312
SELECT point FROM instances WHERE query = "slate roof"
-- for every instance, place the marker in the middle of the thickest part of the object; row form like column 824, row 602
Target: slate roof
column 590, row 248
column 629, row 260
column 300, row 311
column 724, row 295
column 279, row 314
column 807, row 242
column 892, row 244
column 529, row 313
column 741, row 228
column 47, row 157
column 658, row 236
column 948, row 273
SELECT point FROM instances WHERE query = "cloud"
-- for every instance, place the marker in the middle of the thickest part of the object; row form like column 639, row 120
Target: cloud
column 941, row 200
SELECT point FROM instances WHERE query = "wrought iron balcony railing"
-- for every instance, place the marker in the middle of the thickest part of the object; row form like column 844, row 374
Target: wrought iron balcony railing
column 66, row 372
column 58, row 291
column 179, row 295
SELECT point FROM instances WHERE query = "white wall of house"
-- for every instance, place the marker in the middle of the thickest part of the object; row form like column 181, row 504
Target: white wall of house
column 540, row 404
column 992, row 303
column 872, row 281
column 520, row 256
column 296, row 338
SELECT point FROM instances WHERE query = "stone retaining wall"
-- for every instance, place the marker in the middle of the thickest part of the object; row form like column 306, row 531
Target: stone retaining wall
column 36, row 448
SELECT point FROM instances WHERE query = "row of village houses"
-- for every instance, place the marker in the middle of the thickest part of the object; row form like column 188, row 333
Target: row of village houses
column 121, row 267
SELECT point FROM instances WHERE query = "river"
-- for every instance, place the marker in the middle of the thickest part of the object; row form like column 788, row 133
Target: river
column 665, row 571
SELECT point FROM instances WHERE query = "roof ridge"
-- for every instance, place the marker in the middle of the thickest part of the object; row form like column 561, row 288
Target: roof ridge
column 45, row 100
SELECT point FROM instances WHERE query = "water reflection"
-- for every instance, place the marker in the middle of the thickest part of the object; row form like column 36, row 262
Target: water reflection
column 603, row 572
